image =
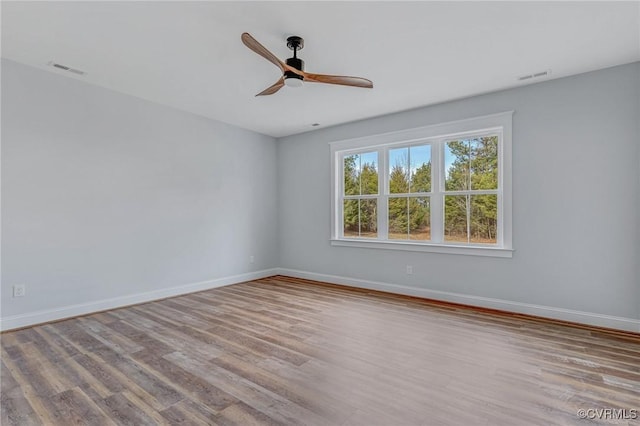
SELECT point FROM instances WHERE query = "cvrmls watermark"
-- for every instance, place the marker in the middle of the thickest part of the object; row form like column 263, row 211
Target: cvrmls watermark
column 607, row 414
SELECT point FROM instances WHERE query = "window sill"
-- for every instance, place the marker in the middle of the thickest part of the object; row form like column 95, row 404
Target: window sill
column 427, row 248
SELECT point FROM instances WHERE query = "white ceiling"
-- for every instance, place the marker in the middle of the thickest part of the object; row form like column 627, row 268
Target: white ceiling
column 189, row 55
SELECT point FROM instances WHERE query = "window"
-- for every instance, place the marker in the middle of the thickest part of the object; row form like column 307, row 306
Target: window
column 443, row 188
column 409, row 183
column 360, row 200
column 471, row 189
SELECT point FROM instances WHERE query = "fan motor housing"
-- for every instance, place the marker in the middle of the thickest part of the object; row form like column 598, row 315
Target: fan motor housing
column 296, row 63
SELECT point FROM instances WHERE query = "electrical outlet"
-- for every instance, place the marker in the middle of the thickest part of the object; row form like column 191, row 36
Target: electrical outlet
column 19, row 290
column 251, row 259
column 409, row 270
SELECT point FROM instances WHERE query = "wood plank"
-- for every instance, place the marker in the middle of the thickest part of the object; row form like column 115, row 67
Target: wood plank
column 16, row 410
column 191, row 385
column 74, row 407
column 188, row 412
column 241, row 414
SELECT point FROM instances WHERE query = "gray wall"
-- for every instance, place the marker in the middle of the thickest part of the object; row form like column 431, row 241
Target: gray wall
column 105, row 195
column 576, row 202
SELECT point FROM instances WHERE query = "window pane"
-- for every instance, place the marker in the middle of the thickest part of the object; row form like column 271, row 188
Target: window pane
column 484, row 162
column 420, row 158
column 350, row 218
column 419, row 218
column 369, row 173
column 399, row 171
column 409, row 218
column 484, row 219
column 455, row 218
column 398, row 220
column 351, row 167
column 456, row 163
column 369, row 218
column 361, row 173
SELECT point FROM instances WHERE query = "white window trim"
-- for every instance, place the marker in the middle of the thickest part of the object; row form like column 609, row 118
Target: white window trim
column 501, row 122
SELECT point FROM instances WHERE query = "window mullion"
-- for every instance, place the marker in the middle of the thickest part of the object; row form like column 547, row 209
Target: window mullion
column 409, row 168
column 359, row 218
column 359, row 177
column 338, row 228
column 408, row 219
column 436, row 201
column 468, row 204
column 501, row 228
column 469, row 166
column 383, row 191
column 475, row 192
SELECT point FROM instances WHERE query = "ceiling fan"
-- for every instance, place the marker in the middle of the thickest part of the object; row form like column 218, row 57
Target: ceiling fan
column 293, row 69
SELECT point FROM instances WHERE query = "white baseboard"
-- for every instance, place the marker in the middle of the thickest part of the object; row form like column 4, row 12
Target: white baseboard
column 32, row 318
column 587, row 318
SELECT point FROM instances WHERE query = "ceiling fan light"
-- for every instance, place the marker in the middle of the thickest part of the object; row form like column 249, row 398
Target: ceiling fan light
column 293, row 82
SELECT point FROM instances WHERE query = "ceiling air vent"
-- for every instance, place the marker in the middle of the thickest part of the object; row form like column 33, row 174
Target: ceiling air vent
column 66, row 68
column 534, row 75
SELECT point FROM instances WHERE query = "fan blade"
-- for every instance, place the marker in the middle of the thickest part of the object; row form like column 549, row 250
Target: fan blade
column 253, row 44
column 338, row 79
column 273, row 89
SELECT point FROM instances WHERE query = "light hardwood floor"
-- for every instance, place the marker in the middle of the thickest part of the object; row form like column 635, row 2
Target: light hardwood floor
column 289, row 351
